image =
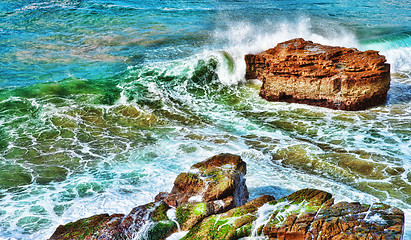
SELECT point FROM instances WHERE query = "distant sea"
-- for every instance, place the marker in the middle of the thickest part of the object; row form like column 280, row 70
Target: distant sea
column 103, row 103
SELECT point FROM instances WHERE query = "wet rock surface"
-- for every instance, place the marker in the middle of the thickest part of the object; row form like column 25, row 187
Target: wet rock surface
column 149, row 220
column 217, row 178
column 300, row 71
column 234, row 224
column 213, row 186
column 213, row 205
column 310, row 214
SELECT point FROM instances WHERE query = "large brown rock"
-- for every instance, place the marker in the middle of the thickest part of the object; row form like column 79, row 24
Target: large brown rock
column 213, row 186
column 216, row 178
column 301, row 71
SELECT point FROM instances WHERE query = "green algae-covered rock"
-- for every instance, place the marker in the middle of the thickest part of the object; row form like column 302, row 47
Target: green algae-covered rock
column 315, row 198
column 291, row 216
column 81, row 229
column 212, row 186
column 189, row 214
column 234, row 224
column 148, row 221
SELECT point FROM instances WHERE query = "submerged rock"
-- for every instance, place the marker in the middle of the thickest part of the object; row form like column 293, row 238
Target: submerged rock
column 301, row 71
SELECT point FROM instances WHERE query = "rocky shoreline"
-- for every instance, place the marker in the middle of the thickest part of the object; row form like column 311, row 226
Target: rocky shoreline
column 210, row 201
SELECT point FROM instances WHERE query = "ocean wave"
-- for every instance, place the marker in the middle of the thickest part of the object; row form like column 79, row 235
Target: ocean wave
column 397, row 49
column 240, row 38
column 400, row 59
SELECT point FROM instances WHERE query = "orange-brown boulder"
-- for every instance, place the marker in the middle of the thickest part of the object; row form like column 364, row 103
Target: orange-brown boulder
column 300, row 71
column 212, row 186
column 215, row 179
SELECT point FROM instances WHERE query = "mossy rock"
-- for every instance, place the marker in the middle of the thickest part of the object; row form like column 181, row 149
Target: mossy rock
column 292, row 206
column 161, row 230
column 234, row 224
column 81, row 229
column 189, row 214
column 160, row 212
column 216, row 178
column 312, row 197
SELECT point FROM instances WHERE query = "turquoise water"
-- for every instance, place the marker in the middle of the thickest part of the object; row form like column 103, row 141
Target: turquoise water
column 104, row 103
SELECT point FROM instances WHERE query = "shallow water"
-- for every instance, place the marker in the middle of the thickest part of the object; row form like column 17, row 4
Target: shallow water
column 103, row 104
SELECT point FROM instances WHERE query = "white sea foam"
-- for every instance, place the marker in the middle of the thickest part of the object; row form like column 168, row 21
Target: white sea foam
column 240, row 38
column 399, row 58
column 397, row 52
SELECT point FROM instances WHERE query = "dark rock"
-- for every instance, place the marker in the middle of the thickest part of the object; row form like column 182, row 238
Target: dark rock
column 81, row 229
column 120, row 226
column 300, row 71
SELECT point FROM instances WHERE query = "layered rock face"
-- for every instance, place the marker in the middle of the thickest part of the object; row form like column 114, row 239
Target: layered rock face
column 301, row 71
column 210, row 202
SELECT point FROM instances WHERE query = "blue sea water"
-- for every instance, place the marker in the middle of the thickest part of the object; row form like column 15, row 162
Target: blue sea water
column 103, row 103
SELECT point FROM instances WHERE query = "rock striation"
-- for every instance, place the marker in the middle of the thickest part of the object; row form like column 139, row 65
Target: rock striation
column 210, row 202
column 300, row 71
